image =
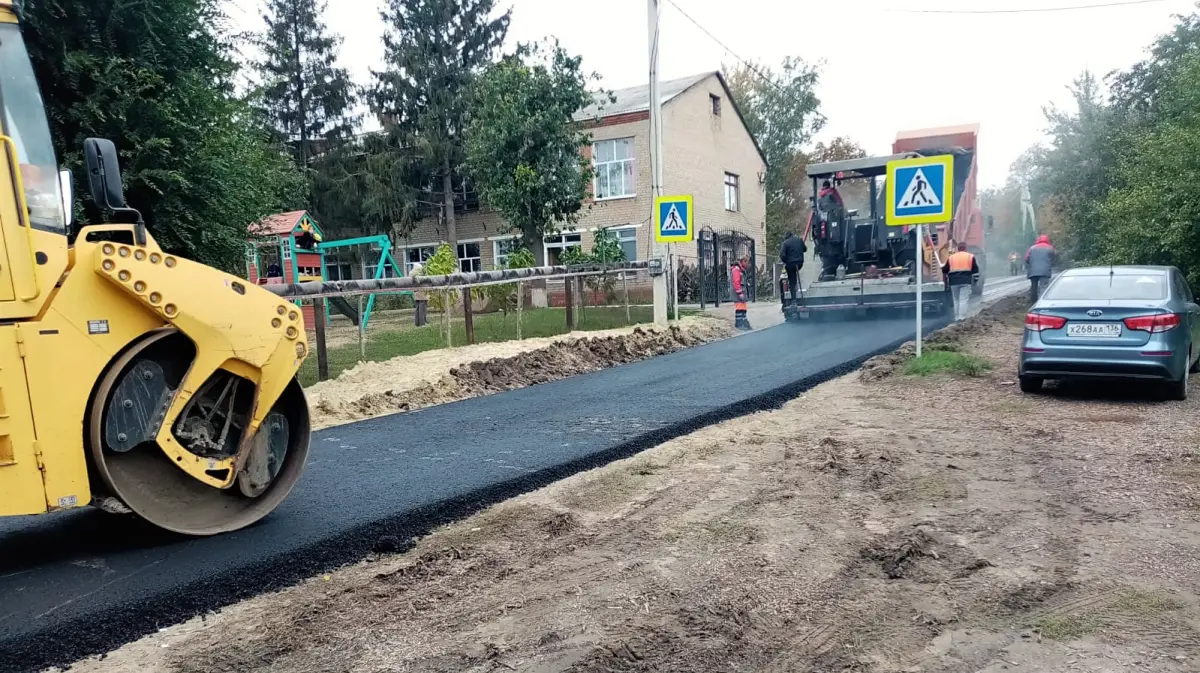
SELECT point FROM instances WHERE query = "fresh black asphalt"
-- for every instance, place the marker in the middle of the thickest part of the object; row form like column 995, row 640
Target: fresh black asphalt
column 81, row 583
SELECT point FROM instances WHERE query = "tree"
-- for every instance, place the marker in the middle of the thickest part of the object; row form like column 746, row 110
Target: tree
column 782, row 111
column 432, row 51
column 523, row 148
column 304, row 94
column 197, row 161
column 368, row 186
column 1119, row 175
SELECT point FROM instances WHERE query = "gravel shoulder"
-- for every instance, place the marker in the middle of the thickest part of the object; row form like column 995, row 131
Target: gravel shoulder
column 408, row 383
column 880, row 522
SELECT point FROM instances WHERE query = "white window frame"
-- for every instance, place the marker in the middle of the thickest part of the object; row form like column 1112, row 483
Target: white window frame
column 736, row 185
column 473, row 264
column 408, row 265
column 559, row 242
column 626, row 233
column 499, row 256
column 627, row 191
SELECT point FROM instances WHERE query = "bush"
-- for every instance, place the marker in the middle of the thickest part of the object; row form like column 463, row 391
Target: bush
column 689, row 284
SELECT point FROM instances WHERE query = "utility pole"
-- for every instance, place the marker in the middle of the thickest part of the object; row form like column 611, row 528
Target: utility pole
column 654, row 10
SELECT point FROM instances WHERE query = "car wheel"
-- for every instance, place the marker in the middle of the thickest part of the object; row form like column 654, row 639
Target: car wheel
column 1178, row 390
column 1031, row 384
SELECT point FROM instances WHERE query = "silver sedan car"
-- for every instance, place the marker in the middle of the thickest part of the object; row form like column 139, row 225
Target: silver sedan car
column 1118, row 322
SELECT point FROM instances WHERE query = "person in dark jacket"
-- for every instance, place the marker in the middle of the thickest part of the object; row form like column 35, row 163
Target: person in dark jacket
column 1039, row 265
column 961, row 268
column 791, row 253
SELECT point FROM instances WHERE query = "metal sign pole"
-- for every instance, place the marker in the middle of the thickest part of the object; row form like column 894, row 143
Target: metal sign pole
column 920, row 268
column 674, row 279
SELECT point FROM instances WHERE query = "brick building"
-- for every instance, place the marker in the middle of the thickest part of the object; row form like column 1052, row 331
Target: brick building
column 708, row 151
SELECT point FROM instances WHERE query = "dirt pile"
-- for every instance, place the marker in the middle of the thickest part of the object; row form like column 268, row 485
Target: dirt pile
column 408, row 383
column 564, row 359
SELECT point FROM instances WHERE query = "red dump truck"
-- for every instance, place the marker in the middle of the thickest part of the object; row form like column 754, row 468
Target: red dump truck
column 866, row 265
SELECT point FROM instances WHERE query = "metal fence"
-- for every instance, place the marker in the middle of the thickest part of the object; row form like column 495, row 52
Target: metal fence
column 417, row 313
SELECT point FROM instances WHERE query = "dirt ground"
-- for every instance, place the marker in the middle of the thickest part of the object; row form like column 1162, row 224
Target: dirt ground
column 879, row 523
column 437, row 377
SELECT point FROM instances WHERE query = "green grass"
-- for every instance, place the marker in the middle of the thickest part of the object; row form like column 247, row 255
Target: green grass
column 490, row 327
column 1067, row 627
column 949, row 362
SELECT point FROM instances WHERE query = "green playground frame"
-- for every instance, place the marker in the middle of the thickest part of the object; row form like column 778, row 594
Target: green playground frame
column 381, row 243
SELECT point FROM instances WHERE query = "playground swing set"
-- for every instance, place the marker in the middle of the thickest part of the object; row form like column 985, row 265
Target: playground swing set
column 289, row 248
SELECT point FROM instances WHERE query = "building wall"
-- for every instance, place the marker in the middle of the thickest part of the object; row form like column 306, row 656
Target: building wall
column 699, row 148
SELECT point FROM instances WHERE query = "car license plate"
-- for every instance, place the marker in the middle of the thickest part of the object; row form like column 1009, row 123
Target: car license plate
column 1100, row 330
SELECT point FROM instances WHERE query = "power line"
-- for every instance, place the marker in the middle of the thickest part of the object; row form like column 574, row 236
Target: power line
column 1032, row 10
column 747, row 64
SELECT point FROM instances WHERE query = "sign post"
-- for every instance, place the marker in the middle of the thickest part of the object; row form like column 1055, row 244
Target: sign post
column 674, row 218
column 920, row 191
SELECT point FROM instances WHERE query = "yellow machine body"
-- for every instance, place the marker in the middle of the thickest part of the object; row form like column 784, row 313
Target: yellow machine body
column 73, row 318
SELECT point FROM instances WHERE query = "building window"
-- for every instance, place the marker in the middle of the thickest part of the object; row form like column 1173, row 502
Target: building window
column 627, row 238
column 369, row 271
column 502, row 249
column 310, row 271
column 468, row 258
column 732, row 200
column 338, row 272
column 716, row 104
column 614, row 163
column 551, row 245
column 417, row 255
column 287, row 251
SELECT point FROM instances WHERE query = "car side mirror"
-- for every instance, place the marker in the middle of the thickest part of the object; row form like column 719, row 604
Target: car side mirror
column 104, row 173
column 67, row 190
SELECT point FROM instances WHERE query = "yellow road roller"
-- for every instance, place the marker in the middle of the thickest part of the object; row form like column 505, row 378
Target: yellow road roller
column 130, row 377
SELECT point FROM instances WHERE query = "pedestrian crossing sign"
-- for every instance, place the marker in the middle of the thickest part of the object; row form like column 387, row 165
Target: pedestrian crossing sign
column 674, row 214
column 920, row 190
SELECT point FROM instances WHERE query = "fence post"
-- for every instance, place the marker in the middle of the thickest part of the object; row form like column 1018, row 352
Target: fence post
column 520, row 305
column 581, row 290
column 625, row 291
column 448, row 316
column 422, row 312
column 362, row 327
column 319, row 324
column 700, row 269
column 468, row 316
column 569, row 297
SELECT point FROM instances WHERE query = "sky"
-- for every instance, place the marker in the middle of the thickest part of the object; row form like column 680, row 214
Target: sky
column 886, row 65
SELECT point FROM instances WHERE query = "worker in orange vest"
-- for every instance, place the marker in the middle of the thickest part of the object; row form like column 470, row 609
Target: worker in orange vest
column 961, row 269
column 737, row 277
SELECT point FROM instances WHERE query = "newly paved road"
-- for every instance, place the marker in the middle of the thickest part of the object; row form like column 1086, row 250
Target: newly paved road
column 83, row 582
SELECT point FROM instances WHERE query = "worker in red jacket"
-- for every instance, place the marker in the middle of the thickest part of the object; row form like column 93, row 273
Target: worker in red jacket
column 737, row 277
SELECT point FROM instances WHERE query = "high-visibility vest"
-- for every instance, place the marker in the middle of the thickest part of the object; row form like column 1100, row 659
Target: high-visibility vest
column 961, row 261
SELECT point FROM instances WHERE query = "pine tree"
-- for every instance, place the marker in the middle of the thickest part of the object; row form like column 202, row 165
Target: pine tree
column 304, row 95
column 433, row 49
